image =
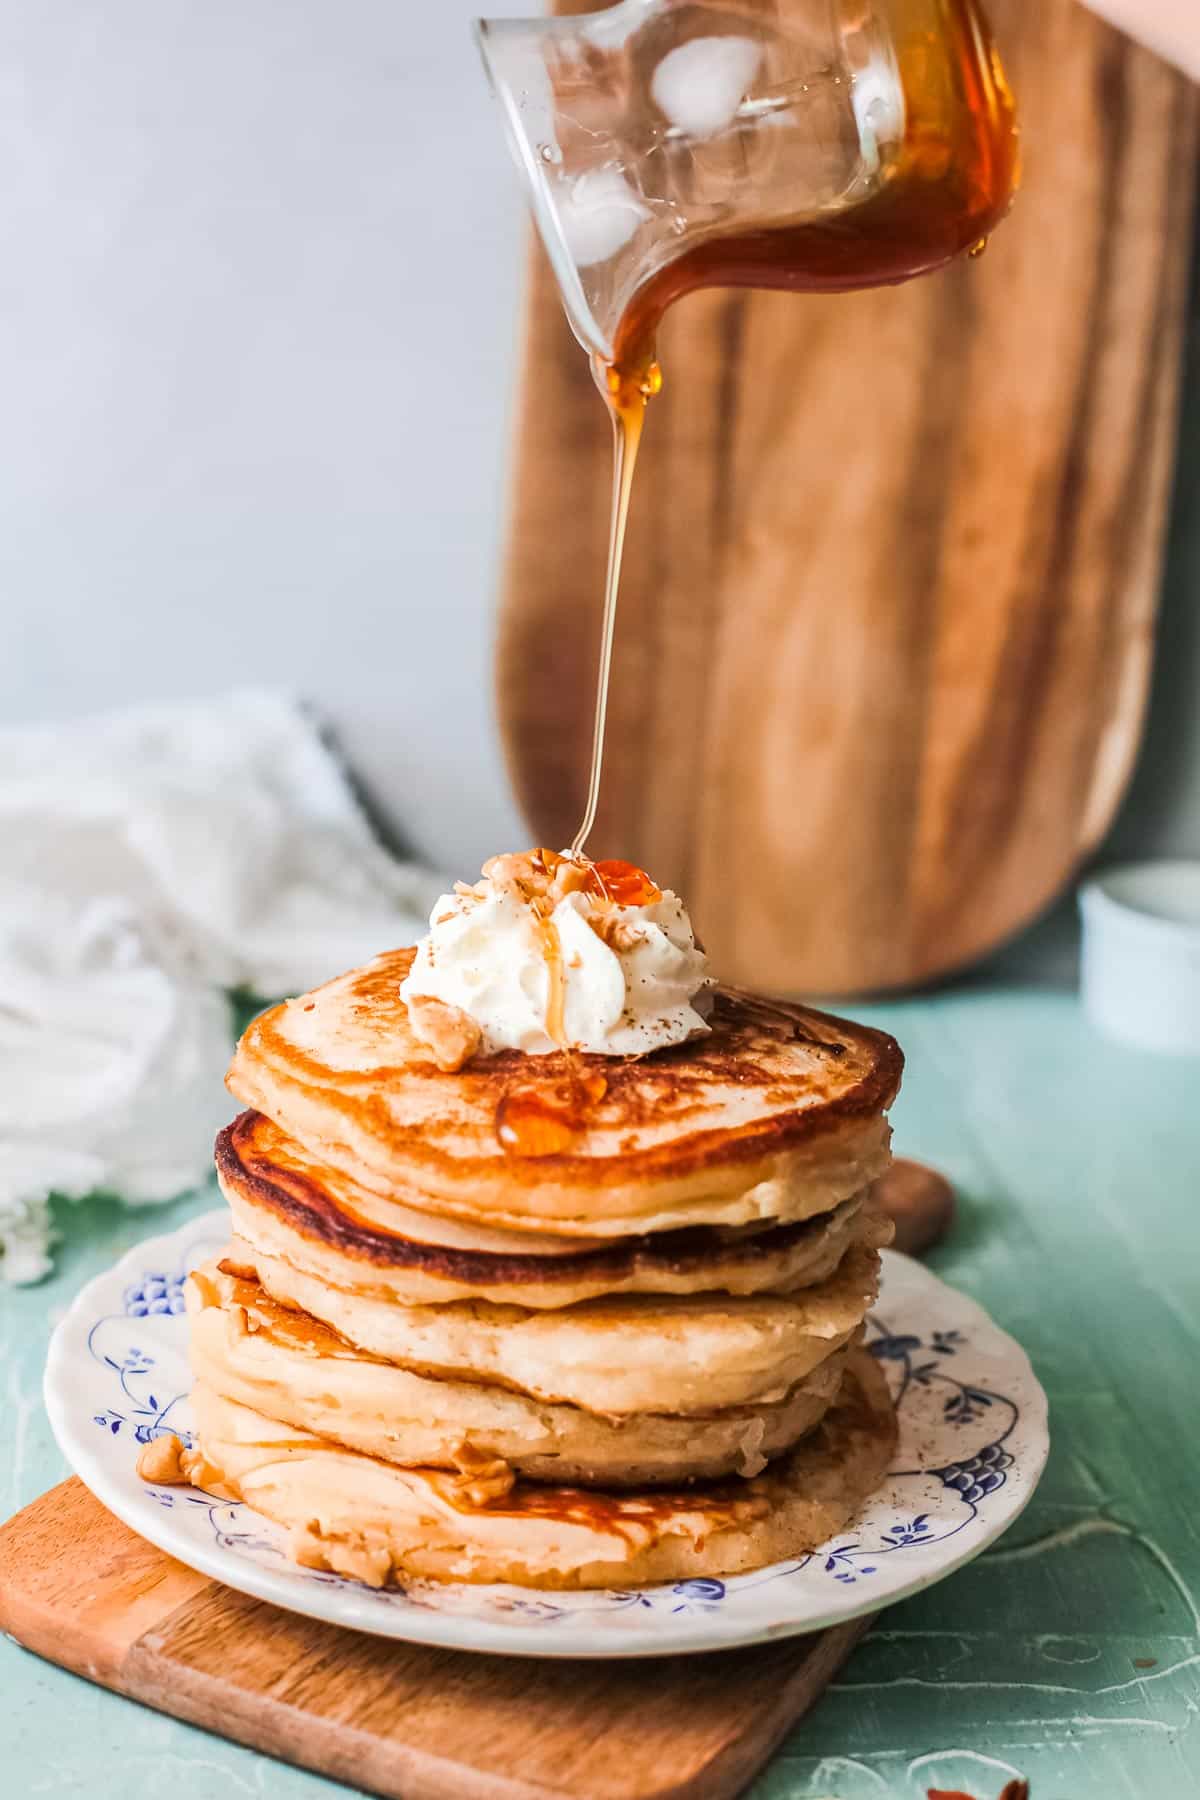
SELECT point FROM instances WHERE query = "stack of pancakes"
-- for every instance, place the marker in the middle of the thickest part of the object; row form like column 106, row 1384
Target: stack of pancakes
column 623, row 1349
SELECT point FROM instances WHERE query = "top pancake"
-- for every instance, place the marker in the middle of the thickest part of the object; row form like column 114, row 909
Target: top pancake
column 776, row 1113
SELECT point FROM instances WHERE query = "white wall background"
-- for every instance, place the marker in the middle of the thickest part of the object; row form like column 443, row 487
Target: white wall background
column 258, row 279
column 259, row 266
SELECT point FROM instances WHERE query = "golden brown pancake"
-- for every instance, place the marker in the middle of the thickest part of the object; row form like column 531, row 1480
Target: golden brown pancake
column 775, row 1114
column 247, row 1348
column 324, row 1224
column 372, row 1520
column 680, row 1354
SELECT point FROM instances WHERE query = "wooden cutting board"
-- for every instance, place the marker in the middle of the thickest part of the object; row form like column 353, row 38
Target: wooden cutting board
column 81, row 1589
column 887, row 618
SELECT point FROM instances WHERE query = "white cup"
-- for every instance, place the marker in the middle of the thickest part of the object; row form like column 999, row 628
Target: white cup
column 1141, row 955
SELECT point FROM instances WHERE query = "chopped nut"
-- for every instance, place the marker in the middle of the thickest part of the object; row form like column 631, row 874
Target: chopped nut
column 522, row 875
column 161, row 1461
column 305, row 1546
column 350, row 1554
column 200, row 1287
column 533, row 875
column 371, row 1564
column 203, row 1474
column 620, row 935
column 481, row 1478
column 570, row 877
column 228, row 1265
column 451, row 1035
column 168, row 1462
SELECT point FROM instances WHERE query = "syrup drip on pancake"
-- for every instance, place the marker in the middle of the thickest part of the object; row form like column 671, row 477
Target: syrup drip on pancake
column 546, row 1120
column 635, row 1517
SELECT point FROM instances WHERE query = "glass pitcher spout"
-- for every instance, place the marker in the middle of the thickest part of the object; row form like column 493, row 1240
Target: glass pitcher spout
column 653, row 132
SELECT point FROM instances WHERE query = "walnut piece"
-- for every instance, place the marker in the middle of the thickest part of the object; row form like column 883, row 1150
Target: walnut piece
column 519, row 874
column 534, row 875
column 481, row 1478
column 451, row 1035
column 348, row 1555
column 167, row 1462
column 228, row 1265
column 199, row 1288
column 161, row 1461
column 621, row 935
column 570, row 877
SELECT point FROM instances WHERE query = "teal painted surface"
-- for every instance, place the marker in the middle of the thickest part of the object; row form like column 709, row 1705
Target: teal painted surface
column 1078, row 1166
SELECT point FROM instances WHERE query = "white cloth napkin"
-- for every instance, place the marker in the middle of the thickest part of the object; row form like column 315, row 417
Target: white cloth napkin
column 149, row 861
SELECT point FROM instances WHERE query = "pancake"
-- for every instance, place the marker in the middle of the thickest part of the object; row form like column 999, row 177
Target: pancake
column 247, row 1348
column 371, row 1520
column 632, row 1354
column 776, row 1114
column 286, row 1206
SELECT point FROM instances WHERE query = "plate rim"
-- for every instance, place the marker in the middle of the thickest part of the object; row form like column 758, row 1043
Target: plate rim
column 451, row 1630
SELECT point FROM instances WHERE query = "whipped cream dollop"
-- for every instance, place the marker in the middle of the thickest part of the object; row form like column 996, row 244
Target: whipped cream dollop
column 552, row 952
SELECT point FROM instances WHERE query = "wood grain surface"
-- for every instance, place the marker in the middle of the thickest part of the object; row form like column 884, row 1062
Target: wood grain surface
column 887, row 619
column 396, row 1719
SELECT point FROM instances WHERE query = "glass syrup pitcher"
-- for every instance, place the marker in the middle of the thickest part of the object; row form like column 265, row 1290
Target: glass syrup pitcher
column 815, row 145
column 670, row 145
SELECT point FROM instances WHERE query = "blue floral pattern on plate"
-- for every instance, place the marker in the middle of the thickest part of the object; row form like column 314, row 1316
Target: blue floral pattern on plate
column 973, row 1442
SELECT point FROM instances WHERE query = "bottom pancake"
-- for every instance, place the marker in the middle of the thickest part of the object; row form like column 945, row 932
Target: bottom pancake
column 379, row 1523
column 288, row 1366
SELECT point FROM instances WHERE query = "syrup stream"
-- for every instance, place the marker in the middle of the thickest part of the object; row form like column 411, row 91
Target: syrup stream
column 628, row 411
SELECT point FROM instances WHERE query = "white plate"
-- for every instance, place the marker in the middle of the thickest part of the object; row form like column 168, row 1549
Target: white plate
column 973, row 1443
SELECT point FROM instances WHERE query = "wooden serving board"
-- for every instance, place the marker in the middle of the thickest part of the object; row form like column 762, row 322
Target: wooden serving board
column 887, row 618
column 81, row 1589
